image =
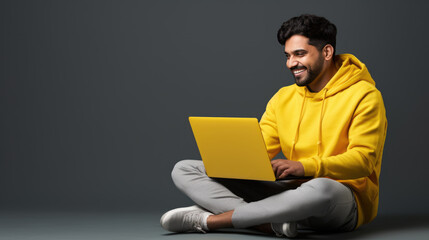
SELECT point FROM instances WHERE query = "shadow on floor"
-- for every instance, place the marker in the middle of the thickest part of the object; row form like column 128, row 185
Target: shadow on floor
column 383, row 227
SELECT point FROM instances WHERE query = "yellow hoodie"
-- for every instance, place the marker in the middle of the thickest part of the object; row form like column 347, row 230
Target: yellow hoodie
column 337, row 133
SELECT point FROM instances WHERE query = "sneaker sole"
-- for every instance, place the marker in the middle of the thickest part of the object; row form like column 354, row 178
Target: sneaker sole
column 168, row 214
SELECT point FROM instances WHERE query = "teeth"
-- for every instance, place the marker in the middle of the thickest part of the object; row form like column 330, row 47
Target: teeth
column 299, row 71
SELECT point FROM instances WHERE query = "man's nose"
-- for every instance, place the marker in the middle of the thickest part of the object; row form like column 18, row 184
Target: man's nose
column 291, row 62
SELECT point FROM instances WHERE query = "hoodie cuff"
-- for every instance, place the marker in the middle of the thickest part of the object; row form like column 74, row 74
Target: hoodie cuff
column 309, row 167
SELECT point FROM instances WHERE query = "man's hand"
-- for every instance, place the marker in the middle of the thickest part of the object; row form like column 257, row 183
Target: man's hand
column 284, row 167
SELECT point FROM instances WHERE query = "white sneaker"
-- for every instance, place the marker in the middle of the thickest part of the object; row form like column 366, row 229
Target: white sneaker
column 285, row 229
column 187, row 219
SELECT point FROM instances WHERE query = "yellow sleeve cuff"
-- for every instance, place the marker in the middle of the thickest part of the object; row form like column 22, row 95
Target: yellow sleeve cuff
column 309, row 167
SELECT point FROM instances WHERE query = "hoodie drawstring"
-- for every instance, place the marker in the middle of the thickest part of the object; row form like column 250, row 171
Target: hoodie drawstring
column 319, row 137
column 299, row 123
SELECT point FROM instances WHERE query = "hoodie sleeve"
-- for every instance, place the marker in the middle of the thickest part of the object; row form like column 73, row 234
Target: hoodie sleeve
column 366, row 140
column 269, row 130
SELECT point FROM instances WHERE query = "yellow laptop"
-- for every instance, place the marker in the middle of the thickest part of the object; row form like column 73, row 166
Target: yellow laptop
column 232, row 148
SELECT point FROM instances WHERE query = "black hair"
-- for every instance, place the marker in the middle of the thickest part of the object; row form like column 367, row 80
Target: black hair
column 317, row 29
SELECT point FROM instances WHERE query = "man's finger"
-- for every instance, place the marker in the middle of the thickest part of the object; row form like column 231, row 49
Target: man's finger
column 276, row 165
column 281, row 169
column 275, row 162
column 284, row 174
column 277, row 170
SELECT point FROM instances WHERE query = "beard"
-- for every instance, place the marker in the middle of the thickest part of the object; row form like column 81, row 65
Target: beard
column 312, row 73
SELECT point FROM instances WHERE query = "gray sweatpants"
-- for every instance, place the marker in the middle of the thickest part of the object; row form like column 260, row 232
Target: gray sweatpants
column 319, row 204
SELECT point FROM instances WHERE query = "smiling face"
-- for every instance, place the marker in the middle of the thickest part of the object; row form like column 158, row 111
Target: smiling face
column 304, row 60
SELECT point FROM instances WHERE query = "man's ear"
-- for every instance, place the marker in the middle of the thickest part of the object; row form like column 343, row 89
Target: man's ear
column 328, row 52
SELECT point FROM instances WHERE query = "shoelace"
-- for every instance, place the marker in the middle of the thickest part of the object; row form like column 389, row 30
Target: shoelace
column 199, row 228
column 195, row 219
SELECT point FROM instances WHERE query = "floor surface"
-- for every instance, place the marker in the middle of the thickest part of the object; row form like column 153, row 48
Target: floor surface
column 37, row 225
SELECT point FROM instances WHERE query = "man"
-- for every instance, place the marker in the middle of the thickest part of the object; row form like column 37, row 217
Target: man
column 330, row 125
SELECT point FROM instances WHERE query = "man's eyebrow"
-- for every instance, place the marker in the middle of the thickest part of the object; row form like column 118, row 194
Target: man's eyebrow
column 297, row 51
column 300, row 51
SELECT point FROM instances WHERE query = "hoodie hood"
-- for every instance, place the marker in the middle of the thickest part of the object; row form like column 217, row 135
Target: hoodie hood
column 350, row 71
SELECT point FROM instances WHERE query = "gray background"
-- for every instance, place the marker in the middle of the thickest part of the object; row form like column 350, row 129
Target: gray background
column 95, row 95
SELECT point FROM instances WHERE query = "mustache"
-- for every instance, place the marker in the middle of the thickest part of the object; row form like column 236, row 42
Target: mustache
column 297, row 67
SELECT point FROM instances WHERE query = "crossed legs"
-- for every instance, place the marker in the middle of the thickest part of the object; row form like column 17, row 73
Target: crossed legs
column 319, row 203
